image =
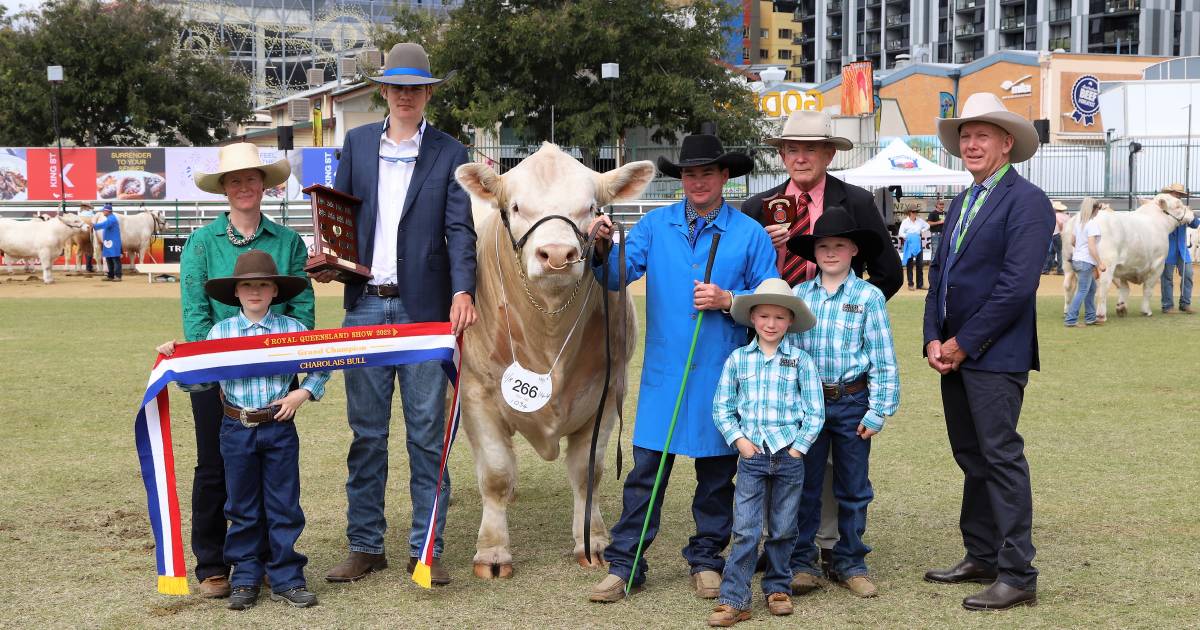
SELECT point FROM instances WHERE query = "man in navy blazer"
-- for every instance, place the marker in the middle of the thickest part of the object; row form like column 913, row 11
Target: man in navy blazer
column 981, row 335
column 415, row 232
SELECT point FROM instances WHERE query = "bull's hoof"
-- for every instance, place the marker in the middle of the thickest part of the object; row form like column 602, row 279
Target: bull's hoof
column 597, row 561
column 1121, row 310
column 485, row 571
column 1146, row 313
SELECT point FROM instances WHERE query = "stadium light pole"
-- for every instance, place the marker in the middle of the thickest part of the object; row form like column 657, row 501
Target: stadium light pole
column 1187, row 153
column 610, row 72
column 1134, row 149
column 54, row 74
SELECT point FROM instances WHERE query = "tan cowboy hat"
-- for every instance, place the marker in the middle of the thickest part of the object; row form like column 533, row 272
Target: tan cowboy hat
column 987, row 107
column 255, row 265
column 237, row 157
column 1175, row 188
column 407, row 64
column 773, row 291
column 1058, row 206
column 810, row 126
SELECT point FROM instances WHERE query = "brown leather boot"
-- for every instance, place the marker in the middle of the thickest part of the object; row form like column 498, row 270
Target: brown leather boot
column 438, row 575
column 356, row 566
column 214, row 587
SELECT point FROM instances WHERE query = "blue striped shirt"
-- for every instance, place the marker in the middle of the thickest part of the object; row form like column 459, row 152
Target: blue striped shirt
column 261, row 391
column 774, row 401
column 853, row 336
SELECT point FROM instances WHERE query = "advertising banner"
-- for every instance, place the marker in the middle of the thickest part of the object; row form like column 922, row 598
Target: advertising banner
column 858, row 89
column 130, row 174
column 78, row 174
column 318, row 167
column 14, row 175
column 182, row 164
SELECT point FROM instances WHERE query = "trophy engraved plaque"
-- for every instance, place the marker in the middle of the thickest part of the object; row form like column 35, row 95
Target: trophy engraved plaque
column 335, row 242
column 779, row 209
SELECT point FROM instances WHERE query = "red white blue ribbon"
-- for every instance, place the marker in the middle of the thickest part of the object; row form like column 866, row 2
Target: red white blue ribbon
column 268, row 355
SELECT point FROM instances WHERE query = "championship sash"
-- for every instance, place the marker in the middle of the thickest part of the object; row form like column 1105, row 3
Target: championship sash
column 269, row 355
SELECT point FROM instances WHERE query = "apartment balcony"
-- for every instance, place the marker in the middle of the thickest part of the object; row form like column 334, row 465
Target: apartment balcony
column 894, row 45
column 799, row 15
column 971, row 29
column 833, row 8
column 897, row 20
column 1123, row 36
column 1012, row 24
column 797, row 62
column 833, row 32
column 1008, row 2
column 871, row 25
column 1061, row 42
column 834, row 53
column 968, row 56
column 1059, row 15
column 872, row 48
column 873, row 3
column 968, row 5
column 1120, row 7
column 802, row 39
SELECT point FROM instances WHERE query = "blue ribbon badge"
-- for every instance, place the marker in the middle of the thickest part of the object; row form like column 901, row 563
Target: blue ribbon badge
column 1085, row 98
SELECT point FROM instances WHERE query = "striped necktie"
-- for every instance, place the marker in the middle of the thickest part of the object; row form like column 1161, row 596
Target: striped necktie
column 795, row 269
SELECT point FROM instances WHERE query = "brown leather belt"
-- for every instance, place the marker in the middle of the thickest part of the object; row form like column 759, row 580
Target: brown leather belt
column 383, row 290
column 249, row 418
column 837, row 390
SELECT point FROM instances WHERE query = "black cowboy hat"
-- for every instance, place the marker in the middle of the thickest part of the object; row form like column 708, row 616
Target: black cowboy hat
column 702, row 149
column 255, row 265
column 835, row 221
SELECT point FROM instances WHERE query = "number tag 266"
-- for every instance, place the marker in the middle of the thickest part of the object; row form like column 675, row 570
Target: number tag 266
column 525, row 390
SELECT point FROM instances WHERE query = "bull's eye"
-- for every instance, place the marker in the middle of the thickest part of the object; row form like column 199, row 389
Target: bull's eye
column 516, row 209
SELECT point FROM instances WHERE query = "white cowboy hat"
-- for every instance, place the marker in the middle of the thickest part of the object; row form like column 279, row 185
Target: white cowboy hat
column 407, row 64
column 810, row 126
column 987, row 107
column 773, row 291
column 1058, row 205
column 237, row 157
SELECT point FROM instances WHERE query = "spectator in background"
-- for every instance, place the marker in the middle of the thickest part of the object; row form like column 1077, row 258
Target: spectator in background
column 1085, row 260
column 110, row 242
column 912, row 230
column 936, row 218
column 1054, row 258
column 1178, row 257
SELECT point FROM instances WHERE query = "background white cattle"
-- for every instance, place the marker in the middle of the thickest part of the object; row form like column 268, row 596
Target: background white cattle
column 41, row 239
column 541, row 290
column 137, row 233
column 1133, row 246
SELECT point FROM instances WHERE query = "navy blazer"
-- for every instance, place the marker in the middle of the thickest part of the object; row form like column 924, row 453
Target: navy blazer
column 991, row 286
column 435, row 241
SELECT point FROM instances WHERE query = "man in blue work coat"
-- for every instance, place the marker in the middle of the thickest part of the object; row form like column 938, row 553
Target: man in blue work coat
column 670, row 246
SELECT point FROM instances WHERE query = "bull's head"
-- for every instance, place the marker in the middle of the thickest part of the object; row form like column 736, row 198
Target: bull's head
column 1173, row 207
column 547, row 183
column 73, row 221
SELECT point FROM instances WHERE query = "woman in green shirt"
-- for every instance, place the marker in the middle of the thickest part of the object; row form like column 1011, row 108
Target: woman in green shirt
column 210, row 252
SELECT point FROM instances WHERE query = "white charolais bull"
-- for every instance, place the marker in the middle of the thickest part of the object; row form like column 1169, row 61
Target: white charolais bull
column 43, row 240
column 137, row 233
column 540, row 292
column 1133, row 246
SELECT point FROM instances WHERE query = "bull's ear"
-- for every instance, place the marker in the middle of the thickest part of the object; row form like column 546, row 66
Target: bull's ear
column 624, row 183
column 1161, row 200
column 480, row 180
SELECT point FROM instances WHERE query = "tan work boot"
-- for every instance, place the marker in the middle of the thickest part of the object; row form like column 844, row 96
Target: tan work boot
column 861, row 586
column 804, row 583
column 438, row 575
column 356, row 566
column 779, row 604
column 610, row 589
column 215, row 587
column 725, row 615
column 707, row 584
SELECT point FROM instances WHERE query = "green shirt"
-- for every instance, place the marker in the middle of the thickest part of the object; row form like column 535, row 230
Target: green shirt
column 209, row 254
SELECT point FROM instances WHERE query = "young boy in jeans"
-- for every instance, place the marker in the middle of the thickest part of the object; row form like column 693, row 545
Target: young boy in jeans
column 851, row 345
column 259, row 441
column 769, row 407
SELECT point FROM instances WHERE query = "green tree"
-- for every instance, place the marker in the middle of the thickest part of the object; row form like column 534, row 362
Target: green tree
column 517, row 59
column 126, row 81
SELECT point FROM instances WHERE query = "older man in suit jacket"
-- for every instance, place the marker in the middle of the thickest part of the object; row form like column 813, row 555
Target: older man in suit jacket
column 981, row 336
column 415, row 231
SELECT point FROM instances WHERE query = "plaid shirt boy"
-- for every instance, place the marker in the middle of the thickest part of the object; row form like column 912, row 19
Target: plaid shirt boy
column 258, row 392
column 853, row 336
column 775, row 402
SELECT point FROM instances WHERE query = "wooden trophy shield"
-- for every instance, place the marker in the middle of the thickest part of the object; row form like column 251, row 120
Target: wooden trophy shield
column 335, row 241
column 779, row 209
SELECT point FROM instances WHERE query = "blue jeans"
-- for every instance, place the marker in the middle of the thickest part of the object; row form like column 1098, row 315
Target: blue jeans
column 369, row 409
column 1085, row 294
column 1185, row 284
column 767, row 486
column 712, row 509
column 1054, row 256
column 851, row 488
column 262, row 479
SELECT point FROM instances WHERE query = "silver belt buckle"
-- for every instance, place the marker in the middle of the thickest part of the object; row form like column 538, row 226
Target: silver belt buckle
column 246, row 423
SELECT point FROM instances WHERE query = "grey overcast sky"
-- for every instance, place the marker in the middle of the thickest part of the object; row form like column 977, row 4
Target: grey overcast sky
column 17, row 5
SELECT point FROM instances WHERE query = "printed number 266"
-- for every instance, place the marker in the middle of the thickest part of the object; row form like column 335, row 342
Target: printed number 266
column 525, row 389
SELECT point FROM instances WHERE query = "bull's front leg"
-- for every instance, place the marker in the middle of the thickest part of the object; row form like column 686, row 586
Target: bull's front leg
column 1148, row 291
column 578, row 450
column 47, row 260
column 496, row 472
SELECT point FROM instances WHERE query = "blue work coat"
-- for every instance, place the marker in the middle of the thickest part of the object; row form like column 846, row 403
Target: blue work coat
column 1177, row 243
column 658, row 248
column 111, row 238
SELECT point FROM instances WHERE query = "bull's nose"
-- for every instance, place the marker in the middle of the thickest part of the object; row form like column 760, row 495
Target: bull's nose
column 557, row 256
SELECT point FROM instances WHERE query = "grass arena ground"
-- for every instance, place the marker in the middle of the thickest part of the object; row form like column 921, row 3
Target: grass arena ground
column 1110, row 424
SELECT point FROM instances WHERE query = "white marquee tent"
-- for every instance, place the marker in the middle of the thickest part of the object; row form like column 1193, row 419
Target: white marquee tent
column 898, row 165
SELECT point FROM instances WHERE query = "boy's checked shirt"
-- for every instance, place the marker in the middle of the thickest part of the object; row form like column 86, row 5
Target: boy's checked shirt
column 258, row 392
column 776, row 402
column 853, row 336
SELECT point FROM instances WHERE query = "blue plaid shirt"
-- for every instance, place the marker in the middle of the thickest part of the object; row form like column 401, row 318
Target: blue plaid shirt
column 774, row 401
column 260, row 391
column 853, row 336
